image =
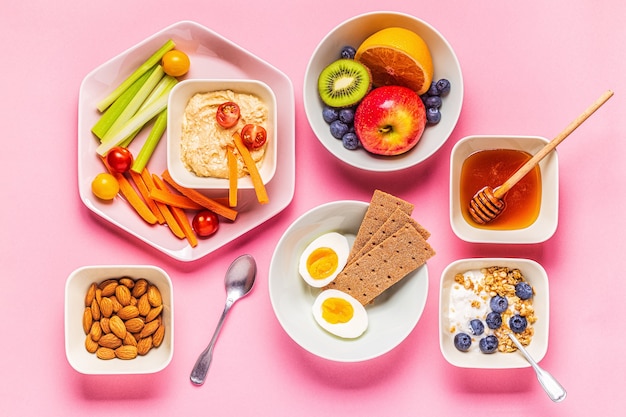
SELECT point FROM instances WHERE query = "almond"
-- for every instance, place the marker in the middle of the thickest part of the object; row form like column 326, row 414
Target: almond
column 154, row 313
column 106, row 307
column 110, row 340
column 157, row 337
column 98, row 295
column 96, row 331
column 126, row 352
column 105, row 353
column 128, row 282
column 95, row 310
column 104, row 324
column 108, row 287
column 128, row 312
column 117, row 327
column 122, row 293
column 116, row 304
column 130, row 339
column 91, row 294
column 144, row 345
column 154, row 296
column 87, row 320
column 140, row 288
column 91, row 345
column 144, row 305
column 149, row 328
column 134, row 325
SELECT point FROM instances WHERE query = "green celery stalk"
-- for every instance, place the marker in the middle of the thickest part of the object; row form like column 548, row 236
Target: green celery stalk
column 135, row 122
column 151, row 142
column 147, row 65
column 111, row 114
column 133, row 106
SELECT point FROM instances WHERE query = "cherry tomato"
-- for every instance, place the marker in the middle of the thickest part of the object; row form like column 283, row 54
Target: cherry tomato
column 175, row 63
column 105, row 186
column 253, row 136
column 205, row 223
column 228, row 114
column 119, row 159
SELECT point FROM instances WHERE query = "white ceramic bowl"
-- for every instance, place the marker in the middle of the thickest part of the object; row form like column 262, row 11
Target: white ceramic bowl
column 535, row 275
column 392, row 316
column 75, row 290
column 543, row 228
column 353, row 32
column 179, row 97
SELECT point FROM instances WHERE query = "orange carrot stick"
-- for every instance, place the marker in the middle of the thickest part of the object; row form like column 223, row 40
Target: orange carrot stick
column 257, row 181
column 233, row 177
column 178, row 214
column 174, row 200
column 134, row 199
column 201, row 199
column 143, row 190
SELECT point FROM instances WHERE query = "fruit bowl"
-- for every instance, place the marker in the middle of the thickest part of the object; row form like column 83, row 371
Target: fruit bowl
column 353, row 32
column 178, row 100
column 534, row 275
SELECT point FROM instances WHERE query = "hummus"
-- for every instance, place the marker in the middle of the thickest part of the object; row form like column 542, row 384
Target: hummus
column 203, row 141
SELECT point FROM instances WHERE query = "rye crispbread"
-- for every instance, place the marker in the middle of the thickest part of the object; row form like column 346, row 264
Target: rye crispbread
column 384, row 265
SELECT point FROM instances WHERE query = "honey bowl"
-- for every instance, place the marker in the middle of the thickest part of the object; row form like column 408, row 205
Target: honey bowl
column 533, row 218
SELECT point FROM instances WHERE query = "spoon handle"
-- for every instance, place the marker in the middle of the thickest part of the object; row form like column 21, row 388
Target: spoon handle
column 200, row 369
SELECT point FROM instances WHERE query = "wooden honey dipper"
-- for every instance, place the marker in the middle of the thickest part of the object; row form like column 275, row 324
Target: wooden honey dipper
column 487, row 204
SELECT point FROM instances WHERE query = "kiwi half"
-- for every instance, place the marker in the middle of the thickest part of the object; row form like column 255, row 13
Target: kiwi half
column 344, row 83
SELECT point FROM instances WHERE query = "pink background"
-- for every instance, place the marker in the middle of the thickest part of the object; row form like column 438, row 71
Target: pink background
column 529, row 68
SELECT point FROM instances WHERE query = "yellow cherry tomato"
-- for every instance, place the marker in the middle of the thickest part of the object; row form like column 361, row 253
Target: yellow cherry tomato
column 175, row 63
column 105, row 186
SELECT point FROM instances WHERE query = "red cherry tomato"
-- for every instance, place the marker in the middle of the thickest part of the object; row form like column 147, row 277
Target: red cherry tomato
column 205, row 223
column 253, row 136
column 228, row 114
column 119, row 159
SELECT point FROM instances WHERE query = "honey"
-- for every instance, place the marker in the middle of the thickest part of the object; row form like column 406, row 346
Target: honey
column 492, row 168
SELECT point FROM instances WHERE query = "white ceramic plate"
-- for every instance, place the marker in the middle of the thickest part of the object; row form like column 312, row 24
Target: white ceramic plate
column 354, row 31
column 392, row 316
column 212, row 56
column 535, row 275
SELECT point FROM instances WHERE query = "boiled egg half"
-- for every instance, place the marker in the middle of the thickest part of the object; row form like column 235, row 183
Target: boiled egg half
column 323, row 259
column 340, row 314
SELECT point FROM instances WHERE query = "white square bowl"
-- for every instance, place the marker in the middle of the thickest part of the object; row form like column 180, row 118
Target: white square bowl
column 535, row 275
column 75, row 290
column 179, row 97
column 543, row 228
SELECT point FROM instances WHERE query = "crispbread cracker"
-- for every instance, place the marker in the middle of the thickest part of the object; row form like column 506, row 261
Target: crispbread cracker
column 384, row 265
column 394, row 222
column 382, row 205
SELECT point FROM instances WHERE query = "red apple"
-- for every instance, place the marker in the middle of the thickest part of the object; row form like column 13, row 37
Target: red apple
column 390, row 120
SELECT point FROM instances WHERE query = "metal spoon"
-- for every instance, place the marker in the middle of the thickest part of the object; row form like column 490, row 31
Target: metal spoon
column 238, row 281
column 550, row 385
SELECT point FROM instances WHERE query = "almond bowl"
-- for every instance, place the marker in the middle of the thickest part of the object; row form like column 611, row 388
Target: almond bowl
column 76, row 286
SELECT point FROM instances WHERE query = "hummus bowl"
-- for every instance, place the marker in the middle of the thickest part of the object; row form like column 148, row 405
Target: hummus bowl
column 176, row 113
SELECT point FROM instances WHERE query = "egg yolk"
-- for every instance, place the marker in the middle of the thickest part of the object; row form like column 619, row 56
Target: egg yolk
column 337, row 310
column 322, row 262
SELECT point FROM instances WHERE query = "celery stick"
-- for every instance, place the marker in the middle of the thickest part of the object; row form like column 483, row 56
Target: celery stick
column 149, row 63
column 135, row 122
column 155, row 76
column 112, row 113
column 151, row 142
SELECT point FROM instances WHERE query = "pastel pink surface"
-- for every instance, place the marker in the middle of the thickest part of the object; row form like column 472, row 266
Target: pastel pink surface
column 528, row 70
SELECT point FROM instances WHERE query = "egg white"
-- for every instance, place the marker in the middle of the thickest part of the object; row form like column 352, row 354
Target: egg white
column 349, row 330
column 332, row 240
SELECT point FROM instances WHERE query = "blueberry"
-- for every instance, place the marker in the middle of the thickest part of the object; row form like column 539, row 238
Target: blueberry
column 433, row 115
column 488, row 344
column 443, row 86
column 348, row 52
column 499, row 304
column 493, row 320
column 346, row 115
column 330, row 114
column 518, row 323
column 433, row 102
column 462, row 341
column 523, row 290
column 350, row 141
column 477, row 327
column 338, row 129
column 433, row 91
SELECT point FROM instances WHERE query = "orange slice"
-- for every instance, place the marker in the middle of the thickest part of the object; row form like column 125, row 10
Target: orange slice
column 397, row 56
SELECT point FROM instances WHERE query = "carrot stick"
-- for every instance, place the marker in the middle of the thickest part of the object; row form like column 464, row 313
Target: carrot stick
column 179, row 215
column 163, row 208
column 143, row 190
column 174, row 200
column 201, row 199
column 134, row 199
column 233, row 177
column 257, row 181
